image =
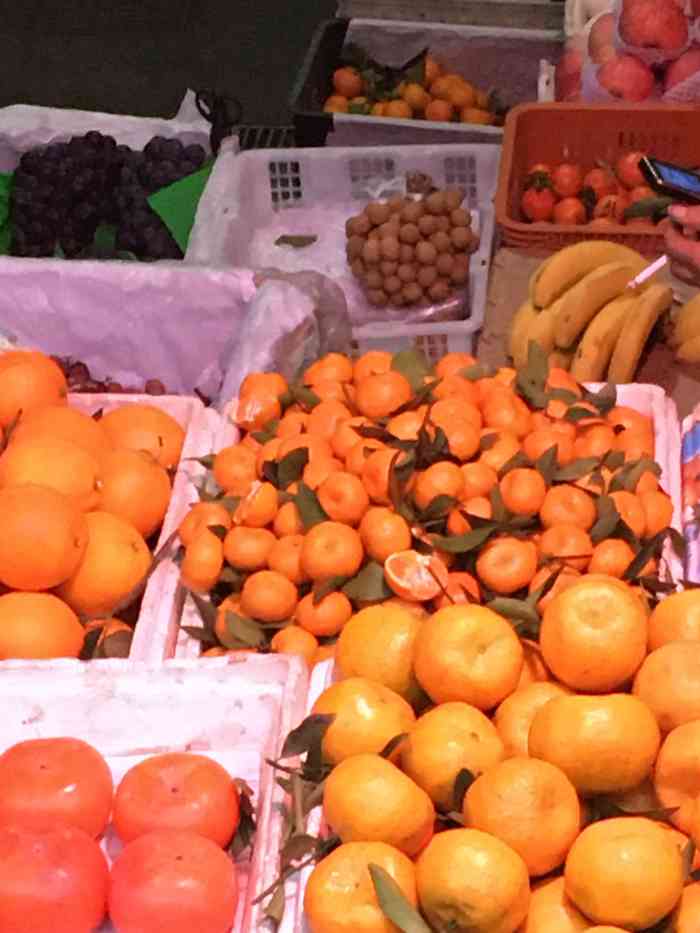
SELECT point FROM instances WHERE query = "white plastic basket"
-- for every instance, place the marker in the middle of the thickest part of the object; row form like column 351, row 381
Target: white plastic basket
column 255, row 197
column 130, row 713
column 158, row 605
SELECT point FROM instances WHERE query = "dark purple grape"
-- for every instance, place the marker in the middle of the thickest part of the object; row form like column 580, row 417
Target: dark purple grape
column 187, row 168
column 172, row 149
column 154, row 387
column 195, row 153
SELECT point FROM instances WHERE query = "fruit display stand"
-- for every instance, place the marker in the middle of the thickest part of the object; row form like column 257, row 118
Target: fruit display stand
column 587, row 135
column 503, row 59
column 256, row 197
column 131, row 712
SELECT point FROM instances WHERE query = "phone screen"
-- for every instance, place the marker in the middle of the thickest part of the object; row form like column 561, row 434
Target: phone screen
column 678, row 177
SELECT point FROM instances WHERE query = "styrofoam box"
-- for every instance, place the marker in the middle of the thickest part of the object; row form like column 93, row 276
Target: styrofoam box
column 689, row 471
column 647, row 399
column 158, row 605
column 252, row 198
column 237, row 711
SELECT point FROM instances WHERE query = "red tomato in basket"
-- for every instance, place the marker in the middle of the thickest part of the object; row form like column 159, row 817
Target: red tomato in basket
column 174, row 881
column 51, row 882
column 177, row 790
column 567, row 180
column 55, row 782
column 538, row 203
column 570, row 212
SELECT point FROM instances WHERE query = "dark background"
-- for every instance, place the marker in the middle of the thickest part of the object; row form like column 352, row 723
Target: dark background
column 139, row 56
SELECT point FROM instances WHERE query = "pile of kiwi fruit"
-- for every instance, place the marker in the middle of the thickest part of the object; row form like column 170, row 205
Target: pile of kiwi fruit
column 411, row 250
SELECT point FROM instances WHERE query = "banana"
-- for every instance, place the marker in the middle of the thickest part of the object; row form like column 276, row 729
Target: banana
column 639, row 323
column 541, row 329
column 598, row 342
column 519, row 328
column 535, row 276
column 582, row 302
column 689, row 350
column 571, row 264
column 686, row 323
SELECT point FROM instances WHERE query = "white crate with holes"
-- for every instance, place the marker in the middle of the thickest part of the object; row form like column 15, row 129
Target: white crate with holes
column 253, row 198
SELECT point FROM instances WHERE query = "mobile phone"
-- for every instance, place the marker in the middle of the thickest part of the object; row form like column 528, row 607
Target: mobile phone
column 671, row 180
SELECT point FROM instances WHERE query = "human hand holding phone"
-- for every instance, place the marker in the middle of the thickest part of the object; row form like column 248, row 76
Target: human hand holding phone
column 683, row 243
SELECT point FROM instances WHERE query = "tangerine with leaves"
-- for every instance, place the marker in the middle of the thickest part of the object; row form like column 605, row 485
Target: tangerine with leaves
column 331, row 549
column 445, row 412
column 140, row 426
column 292, row 639
column 376, row 472
column 507, row 564
column 479, row 479
column 177, row 790
column 371, row 363
column 326, row 417
column 567, row 504
column 624, row 871
column 497, row 448
column 445, row 740
column 443, row 478
column 259, row 507
column 288, row 520
column 658, row 511
column 564, row 577
column 264, row 384
column 285, row 558
column 612, row 557
column 381, row 394
column 454, row 364
column 530, row 805
column 235, row 469
column 677, row 775
column 631, row 511
column 44, row 537
column 340, row 896
column 49, row 783
column 468, row 653
column 669, row 683
column 269, row 596
column 325, row 617
column 203, row 515
column 523, row 491
column 248, row 549
column 514, row 716
column 503, row 410
column 455, row 881
column 593, row 634
column 368, row 799
column 461, row 587
column 566, row 545
column 551, row 911
column 539, row 441
column 367, row 716
column 384, row 532
column 378, row 643
column 534, row 669
column 675, row 618
column 604, row 744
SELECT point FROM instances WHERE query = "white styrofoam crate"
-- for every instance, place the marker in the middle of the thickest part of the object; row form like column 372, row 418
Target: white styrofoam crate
column 159, row 613
column 254, row 197
column 237, row 711
column 690, row 458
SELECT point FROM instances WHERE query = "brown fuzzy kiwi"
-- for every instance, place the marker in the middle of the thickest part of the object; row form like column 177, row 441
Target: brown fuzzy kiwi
column 436, row 202
column 392, row 284
column 440, row 290
column 412, row 212
column 396, row 203
column 460, row 271
column 412, row 293
column 390, row 248
column 377, row 297
column 427, row 225
column 407, row 272
column 460, row 218
column 441, row 241
column 426, row 253
column 444, row 264
column 378, row 212
column 461, row 239
column 407, row 253
column 427, row 276
column 371, row 253
column 454, row 198
column 358, row 269
column 388, row 268
column 354, row 246
column 359, row 225
column 443, row 224
column 373, row 278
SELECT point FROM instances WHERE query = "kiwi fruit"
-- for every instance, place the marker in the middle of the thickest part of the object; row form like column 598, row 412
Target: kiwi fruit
column 440, row 290
column 454, row 198
column 396, row 204
column 444, row 264
column 427, row 225
column 443, row 224
column 436, row 202
column 412, row 212
column 461, row 238
column 373, row 279
column 360, row 225
column 427, row 276
column 354, row 246
column 392, row 284
column 460, row 218
column 412, row 293
column 377, row 297
column 388, row 268
column 407, row 253
column 390, row 248
column 460, row 270
column 407, row 272
column 358, row 269
column 441, row 241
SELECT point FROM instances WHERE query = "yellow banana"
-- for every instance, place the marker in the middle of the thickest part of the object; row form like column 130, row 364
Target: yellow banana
column 639, row 323
column 598, row 342
column 689, row 350
column 535, row 276
column 542, row 327
column 571, row 264
column 519, row 329
column 686, row 323
column 581, row 303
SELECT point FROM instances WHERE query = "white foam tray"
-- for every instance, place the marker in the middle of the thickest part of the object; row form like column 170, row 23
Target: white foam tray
column 237, row 711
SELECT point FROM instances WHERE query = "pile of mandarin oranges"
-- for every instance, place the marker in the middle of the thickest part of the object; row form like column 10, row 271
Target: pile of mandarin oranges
column 512, row 734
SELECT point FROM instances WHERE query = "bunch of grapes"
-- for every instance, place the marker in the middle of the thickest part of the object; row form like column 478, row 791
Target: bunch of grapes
column 80, row 379
column 64, row 191
column 406, row 250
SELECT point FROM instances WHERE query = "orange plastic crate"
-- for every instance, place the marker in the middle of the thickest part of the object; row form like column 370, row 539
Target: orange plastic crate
column 587, row 134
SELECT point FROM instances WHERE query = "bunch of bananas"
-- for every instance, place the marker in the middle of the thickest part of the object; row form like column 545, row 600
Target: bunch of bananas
column 683, row 332
column 584, row 316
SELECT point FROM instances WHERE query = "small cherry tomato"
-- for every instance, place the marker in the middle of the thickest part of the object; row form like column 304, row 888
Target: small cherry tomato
column 570, row 212
column 538, row 203
column 567, row 180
